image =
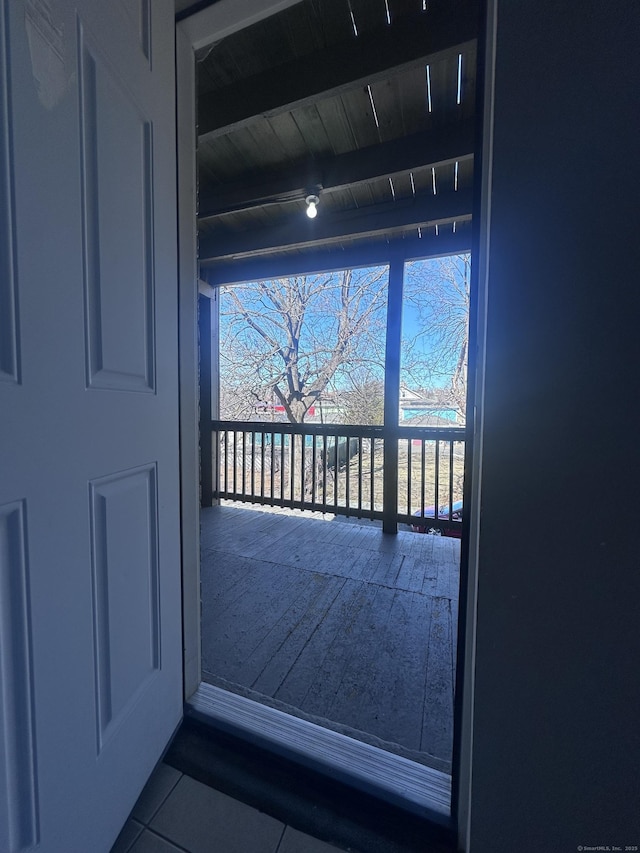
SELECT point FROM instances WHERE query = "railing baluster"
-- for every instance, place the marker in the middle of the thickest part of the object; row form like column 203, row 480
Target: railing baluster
column 303, row 440
column 450, row 480
column 273, row 466
column 423, row 484
column 314, row 469
column 372, row 486
column 235, row 462
column 216, row 462
column 244, row 462
column 324, row 473
column 253, row 463
column 231, row 444
column 347, row 447
column 409, row 462
column 360, row 441
column 336, row 469
column 226, row 462
column 436, row 510
column 292, row 467
column 262, row 464
column 282, row 467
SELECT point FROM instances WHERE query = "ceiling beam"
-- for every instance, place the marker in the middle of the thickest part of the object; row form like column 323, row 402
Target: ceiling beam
column 447, row 28
column 204, row 26
column 436, row 147
column 300, row 232
column 314, row 261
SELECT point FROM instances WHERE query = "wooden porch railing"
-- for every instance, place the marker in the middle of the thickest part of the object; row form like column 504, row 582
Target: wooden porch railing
column 338, row 469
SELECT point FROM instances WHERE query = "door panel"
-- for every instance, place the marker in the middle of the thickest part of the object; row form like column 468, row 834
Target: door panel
column 90, row 628
column 117, row 196
column 18, row 808
column 125, row 592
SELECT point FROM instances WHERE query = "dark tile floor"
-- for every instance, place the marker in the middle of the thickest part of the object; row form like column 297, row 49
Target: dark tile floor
column 336, row 622
column 177, row 814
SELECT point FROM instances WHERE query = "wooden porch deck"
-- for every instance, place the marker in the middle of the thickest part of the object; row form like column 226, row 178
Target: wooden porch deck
column 335, row 622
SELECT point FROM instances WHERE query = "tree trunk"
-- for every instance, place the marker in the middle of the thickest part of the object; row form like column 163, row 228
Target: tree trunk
column 298, row 411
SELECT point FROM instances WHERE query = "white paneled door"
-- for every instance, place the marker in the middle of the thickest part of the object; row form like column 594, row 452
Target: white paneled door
column 90, row 633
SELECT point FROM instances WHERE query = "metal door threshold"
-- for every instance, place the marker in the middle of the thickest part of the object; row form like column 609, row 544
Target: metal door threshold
column 414, row 787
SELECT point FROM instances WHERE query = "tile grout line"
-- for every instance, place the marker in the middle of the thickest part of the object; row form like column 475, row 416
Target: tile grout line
column 279, row 845
column 164, row 838
column 165, row 798
column 147, row 824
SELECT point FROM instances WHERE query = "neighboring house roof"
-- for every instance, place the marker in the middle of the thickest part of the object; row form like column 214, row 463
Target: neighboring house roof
column 406, row 395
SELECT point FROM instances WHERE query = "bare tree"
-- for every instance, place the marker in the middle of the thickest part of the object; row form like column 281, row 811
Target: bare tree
column 291, row 341
column 287, row 339
column 363, row 397
column 435, row 354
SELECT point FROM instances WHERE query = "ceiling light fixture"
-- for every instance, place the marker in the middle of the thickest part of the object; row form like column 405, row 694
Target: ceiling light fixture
column 312, row 206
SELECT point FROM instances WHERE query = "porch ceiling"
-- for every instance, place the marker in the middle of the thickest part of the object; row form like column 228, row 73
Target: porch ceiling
column 370, row 104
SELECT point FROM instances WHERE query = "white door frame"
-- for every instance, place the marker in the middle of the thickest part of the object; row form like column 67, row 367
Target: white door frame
column 188, row 359
column 199, row 30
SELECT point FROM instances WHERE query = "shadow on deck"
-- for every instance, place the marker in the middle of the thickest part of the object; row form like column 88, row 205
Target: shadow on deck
column 334, row 622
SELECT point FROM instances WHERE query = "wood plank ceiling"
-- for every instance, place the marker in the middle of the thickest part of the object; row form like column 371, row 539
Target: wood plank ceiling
column 369, row 104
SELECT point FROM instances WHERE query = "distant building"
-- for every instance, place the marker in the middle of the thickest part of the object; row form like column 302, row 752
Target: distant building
column 427, row 408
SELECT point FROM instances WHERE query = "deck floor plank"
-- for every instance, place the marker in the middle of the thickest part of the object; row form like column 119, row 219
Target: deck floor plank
column 397, row 673
column 337, row 691
column 356, row 698
column 437, row 732
column 336, row 620
column 222, row 576
column 276, row 670
column 311, row 681
column 242, row 625
column 291, row 631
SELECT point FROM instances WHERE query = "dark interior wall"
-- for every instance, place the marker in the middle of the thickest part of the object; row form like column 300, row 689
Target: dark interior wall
column 557, row 703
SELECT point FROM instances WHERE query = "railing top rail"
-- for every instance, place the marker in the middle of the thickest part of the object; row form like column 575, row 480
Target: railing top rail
column 299, row 429
column 364, row 431
column 443, row 433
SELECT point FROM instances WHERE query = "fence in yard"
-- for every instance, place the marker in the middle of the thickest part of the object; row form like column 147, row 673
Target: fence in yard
column 411, row 475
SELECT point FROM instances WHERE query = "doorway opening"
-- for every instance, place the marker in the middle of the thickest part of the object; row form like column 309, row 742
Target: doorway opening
column 380, row 202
